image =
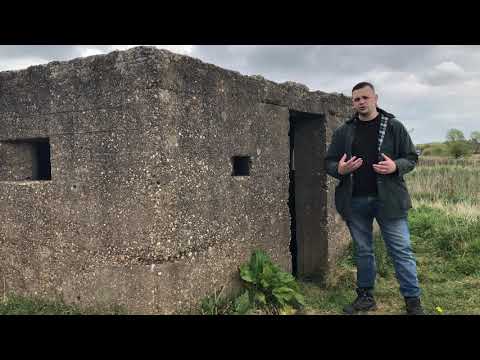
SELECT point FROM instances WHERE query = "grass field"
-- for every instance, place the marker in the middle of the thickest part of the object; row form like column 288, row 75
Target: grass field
column 445, row 231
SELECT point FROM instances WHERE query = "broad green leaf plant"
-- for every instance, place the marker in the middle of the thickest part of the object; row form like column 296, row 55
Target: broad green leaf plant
column 267, row 287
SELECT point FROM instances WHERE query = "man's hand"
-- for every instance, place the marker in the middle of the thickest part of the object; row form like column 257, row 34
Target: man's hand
column 346, row 167
column 385, row 167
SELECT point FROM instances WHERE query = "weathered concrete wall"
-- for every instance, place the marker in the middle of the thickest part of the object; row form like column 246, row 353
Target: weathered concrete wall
column 17, row 161
column 142, row 210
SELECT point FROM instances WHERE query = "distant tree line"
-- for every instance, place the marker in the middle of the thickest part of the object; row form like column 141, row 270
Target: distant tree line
column 456, row 145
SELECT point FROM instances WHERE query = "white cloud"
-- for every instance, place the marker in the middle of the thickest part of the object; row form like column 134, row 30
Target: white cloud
column 90, row 51
column 398, row 84
column 445, row 73
column 181, row 49
column 20, row 57
column 449, row 67
column 87, row 50
column 20, row 63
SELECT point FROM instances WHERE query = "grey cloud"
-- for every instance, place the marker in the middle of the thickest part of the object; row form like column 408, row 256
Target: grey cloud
column 47, row 52
column 315, row 60
column 13, row 57
column 39, row 51
column 21, row 56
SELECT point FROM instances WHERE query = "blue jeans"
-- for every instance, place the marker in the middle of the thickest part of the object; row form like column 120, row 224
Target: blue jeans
column 396, row 235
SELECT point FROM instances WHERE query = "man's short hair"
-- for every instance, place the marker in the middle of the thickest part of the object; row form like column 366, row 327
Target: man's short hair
column 363, row 84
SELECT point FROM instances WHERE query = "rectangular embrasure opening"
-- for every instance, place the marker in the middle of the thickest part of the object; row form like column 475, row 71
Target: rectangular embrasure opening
column 25, row 160
column 241, row 165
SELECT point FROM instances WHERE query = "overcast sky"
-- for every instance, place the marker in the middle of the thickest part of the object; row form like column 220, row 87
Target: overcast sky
column 431, row 89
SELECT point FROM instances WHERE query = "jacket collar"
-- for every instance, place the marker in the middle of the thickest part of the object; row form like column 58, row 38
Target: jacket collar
column 383, row 114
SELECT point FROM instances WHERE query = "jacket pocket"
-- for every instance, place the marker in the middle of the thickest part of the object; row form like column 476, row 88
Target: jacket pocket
column 397, row 193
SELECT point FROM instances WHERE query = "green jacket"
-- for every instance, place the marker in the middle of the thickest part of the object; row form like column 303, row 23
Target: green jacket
column 395, row 142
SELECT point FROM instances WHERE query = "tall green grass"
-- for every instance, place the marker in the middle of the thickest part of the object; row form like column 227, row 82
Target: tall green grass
column 443, row 160
column 444, row 183
column 454, row 240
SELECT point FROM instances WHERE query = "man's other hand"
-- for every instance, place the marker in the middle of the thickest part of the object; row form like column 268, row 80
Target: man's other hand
column 385, row 167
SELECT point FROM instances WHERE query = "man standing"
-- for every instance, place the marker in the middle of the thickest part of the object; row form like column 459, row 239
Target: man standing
column 370, row 153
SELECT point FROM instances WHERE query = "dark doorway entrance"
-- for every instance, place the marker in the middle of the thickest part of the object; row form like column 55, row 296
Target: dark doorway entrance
column 307, row 197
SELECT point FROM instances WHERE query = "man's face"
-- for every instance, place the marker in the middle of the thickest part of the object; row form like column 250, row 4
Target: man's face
column 364, row 101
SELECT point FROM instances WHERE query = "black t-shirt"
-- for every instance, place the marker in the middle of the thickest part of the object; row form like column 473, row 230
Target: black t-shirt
column 365, row 143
